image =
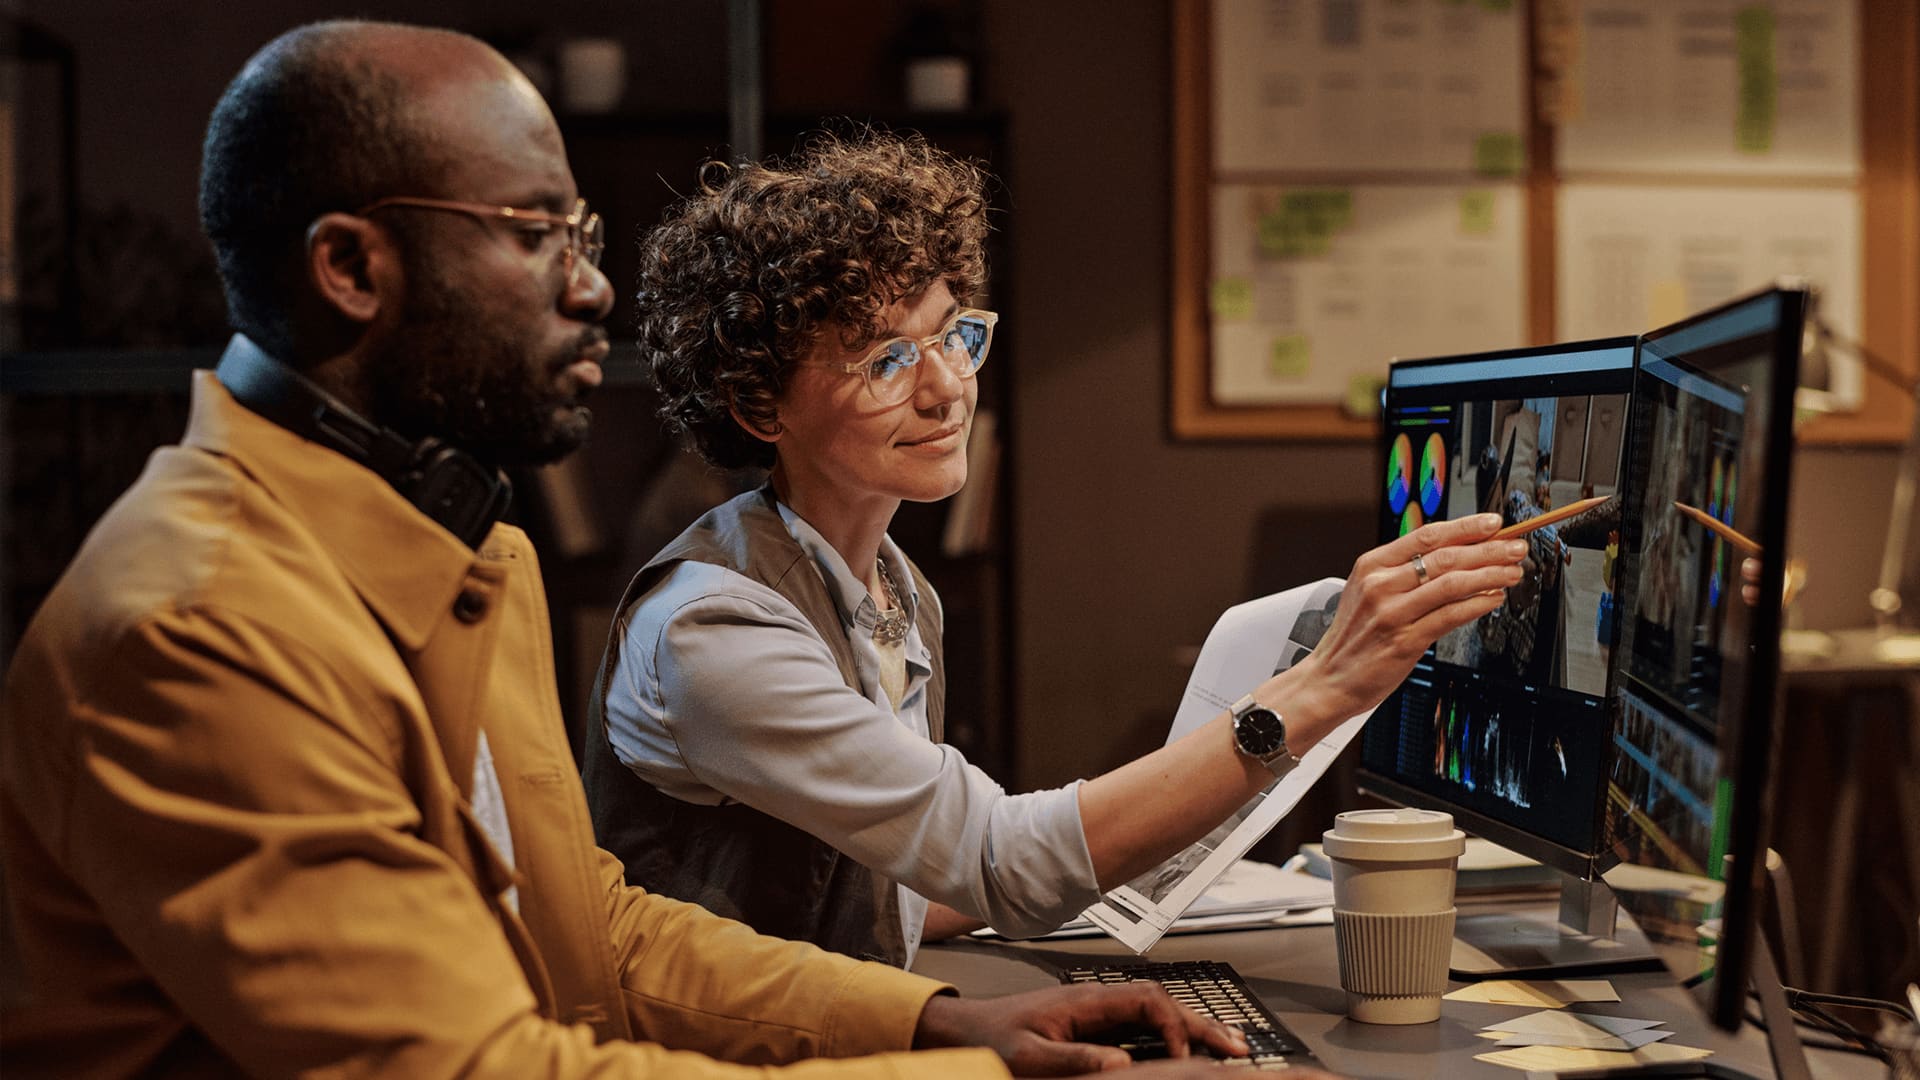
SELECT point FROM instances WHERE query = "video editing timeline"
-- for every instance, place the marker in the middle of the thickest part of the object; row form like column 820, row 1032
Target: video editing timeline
column 1506, row 717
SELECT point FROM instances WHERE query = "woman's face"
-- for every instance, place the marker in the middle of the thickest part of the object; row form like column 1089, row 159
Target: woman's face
column 837, row 446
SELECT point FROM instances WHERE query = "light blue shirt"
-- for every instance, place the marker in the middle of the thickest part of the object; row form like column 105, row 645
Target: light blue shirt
column 725, row 693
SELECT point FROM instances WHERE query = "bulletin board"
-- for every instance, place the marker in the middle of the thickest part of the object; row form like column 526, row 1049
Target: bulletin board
column 1359, row 181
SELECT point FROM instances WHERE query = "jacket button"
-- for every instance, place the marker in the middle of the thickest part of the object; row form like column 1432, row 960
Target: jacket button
column 471, row 605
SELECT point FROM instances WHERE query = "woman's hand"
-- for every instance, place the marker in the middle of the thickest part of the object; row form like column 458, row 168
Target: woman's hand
column 1389, row 614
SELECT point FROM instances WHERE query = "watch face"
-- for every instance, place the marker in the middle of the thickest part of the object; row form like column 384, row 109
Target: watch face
column 1260, row 733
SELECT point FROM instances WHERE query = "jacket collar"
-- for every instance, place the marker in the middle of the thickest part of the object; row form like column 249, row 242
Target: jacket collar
column 403, row 564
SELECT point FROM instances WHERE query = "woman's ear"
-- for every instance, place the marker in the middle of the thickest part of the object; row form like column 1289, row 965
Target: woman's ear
column 767, row 433
column 351, row 264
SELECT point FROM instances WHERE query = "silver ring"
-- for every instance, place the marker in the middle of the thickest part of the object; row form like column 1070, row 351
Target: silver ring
column 1420, row 568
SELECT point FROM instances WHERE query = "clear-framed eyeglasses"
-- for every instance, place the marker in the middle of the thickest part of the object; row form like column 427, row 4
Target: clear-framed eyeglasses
column 585, row 232
column 889, row 367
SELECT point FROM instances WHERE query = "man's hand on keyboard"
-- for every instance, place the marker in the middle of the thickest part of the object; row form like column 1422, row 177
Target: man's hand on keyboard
column 1041, row 1033
column 1205, row 1067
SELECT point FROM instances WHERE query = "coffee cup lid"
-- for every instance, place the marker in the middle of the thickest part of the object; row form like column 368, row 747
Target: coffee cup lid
column 1403, row 835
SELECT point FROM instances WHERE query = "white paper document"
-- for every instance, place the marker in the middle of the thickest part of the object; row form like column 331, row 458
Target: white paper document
column 1248, row 895
column 1250, row 643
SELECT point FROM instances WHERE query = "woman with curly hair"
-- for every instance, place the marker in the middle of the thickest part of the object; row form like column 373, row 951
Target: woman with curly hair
column 766, row 740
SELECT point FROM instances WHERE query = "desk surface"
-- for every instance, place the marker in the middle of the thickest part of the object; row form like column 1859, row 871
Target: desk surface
column 1295, row 972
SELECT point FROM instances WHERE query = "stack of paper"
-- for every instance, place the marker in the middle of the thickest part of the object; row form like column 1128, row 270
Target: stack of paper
column 1555, row 1041
column 1247, row 894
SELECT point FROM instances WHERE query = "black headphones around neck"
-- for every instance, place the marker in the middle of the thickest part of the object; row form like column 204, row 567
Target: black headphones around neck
column 446, row 483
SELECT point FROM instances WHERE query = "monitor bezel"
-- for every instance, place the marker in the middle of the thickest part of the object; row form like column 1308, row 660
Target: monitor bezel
column 1586, row 865
column 1723, row 995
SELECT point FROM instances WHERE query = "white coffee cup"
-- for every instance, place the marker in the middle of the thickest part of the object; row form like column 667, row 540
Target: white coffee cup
column 1393, row 876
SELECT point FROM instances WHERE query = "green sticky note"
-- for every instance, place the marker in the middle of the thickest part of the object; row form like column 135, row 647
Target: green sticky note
column 1753, row 49
column 1304, row 222
column 1499, row 153
column 1232, row 298
column 1329, row 209
column 1363, row 395
column 1289, row 357
column 1476, row 212
column 1291, row 236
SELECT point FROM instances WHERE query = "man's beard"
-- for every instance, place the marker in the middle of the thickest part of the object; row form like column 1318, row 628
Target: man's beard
column 457, row 370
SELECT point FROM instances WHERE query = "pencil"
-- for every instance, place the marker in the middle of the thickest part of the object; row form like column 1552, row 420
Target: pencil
column 1725, row 531
column 1551, row 517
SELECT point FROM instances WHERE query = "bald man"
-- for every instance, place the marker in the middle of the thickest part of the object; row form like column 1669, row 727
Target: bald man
column 285, row 788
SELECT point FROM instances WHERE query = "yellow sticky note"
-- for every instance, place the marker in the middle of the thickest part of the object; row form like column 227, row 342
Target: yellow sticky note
column 1363, row 396
column 1508, row 994
column 1499, row 153
column 1476, row 212
column 1304, row 222
column 1753, row 53
column 1536, row 993
column 1231, row 298
column 1566, row 1059
column 1289, row 357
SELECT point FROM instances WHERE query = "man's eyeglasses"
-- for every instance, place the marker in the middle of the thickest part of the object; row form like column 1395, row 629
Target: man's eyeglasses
column 586, row 233
column 888, row 366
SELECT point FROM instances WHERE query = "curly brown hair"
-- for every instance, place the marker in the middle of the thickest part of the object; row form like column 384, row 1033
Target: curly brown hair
column 741, row 279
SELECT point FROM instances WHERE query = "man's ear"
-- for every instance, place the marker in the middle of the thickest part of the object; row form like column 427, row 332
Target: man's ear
column 352, row 265
column 769, row 434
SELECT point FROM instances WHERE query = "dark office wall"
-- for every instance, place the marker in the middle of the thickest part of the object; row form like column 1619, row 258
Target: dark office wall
column 150, row 71
column 1130, row 543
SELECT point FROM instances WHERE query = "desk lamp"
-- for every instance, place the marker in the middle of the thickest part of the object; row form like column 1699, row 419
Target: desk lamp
column 1896, row 644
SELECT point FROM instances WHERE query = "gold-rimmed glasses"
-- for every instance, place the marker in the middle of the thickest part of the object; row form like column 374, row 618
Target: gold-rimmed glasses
column 888, row 367
column 586, row 233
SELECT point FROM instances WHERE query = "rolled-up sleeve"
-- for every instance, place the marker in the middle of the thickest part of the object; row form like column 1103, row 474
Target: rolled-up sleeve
column 725, row 693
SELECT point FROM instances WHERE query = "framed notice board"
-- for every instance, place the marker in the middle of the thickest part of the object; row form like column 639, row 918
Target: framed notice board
column 1364, row 180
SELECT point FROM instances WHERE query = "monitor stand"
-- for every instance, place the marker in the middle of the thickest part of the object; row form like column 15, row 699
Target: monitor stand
column 1587, row 935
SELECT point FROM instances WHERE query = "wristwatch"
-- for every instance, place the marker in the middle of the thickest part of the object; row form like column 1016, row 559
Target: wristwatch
column 1260, row 734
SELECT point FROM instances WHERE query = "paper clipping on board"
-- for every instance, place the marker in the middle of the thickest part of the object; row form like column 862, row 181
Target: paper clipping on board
column 1250, row 643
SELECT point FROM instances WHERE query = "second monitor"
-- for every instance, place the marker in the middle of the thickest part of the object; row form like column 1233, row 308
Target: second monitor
column 1504, row 723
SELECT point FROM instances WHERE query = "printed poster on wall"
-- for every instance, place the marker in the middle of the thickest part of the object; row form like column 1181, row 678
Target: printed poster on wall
column 1636, row 256
column 1721, row 87
column 1371, row 85
column 1315, row 289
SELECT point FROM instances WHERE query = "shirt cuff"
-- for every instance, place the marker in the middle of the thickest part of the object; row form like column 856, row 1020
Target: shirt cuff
column 876, row 1009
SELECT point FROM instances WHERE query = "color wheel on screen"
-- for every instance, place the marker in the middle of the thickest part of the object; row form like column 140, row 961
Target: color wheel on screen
column 1433, row 474
column 1411, row 520
column 1399, row 473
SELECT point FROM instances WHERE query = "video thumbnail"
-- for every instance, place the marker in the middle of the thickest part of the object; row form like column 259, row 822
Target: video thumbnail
column 1687, row 571
column 1520, row 458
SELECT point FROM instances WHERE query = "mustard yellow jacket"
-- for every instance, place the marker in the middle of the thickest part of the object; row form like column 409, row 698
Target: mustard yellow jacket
column 235, row 764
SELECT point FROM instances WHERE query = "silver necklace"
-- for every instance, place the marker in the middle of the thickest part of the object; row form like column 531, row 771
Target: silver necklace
column 890, row 626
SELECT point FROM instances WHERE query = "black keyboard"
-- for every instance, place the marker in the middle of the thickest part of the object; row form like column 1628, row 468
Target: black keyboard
column 1210, row 988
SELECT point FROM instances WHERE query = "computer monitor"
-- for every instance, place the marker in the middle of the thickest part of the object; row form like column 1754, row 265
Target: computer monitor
column 1695, row 701
column 1504, row 723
